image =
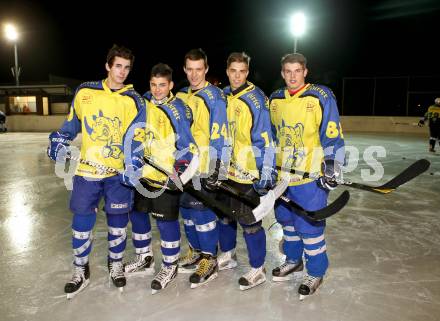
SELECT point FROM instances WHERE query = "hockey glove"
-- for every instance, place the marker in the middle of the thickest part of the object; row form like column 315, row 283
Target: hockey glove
column 211, row 183
column 332, row 172
column 180, row 166
column 59, row 146
column 133, row 172
column 421, row 123
column 267, row 181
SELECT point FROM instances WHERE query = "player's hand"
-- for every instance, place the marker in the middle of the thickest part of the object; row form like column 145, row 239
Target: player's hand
column 59, row 146
column 212, row 182
column 332, row 173
column 133, row 172
column 267, row 181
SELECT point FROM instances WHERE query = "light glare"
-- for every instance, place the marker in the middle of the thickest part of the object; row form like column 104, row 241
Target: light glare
column 11, row 32
column 297, row 24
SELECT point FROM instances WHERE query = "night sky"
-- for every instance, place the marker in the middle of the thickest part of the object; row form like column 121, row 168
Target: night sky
column 343, row 38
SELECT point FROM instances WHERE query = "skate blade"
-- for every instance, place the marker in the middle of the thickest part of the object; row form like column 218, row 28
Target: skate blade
column 70, row 296
column 139, row 273
column 227, row 266
column 212, row 277
column 292, row 276
column 121, row 289
column 247, row 287
column 153, row 292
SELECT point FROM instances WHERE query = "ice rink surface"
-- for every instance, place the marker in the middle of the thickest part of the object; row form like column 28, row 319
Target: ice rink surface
column 384, row 251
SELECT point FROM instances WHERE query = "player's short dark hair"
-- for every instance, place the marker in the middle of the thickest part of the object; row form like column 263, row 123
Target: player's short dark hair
column 294, row 58
column 162, row 70
column 238, row 57
column 196, row 54
column 119, row 51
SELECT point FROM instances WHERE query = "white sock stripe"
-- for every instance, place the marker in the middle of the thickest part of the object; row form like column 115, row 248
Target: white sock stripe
column 81, row 260
column 142, row 250
column 170, row 258
column 117, row 230
column 81, row 235
column 289, row 228
column 290, row 238
column 314, row 240
column 141, row 237
column 117, row 241
column 169, row 245
column 188, row 222
column 116, row 256
column 320, row 250
column 206, row 227
column 80, row 250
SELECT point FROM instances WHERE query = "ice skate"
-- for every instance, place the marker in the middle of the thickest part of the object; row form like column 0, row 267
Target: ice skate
column 227, row 260
column 309, row 286
column 188, row 263
column 432, row 150
column 80, row 279
column 253, row 278
column 116, row 274
column 142, row 264
column 287, row 271
column 164, row 277
column 207, row 270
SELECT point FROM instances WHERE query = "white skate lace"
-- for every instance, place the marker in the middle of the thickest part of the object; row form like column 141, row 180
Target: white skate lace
column 164, row 273
column 286, row 266
column 135, row 262
column 310, row 281
column 225, row 258
column 78, row 274
column 252, row 273
column 116, row 270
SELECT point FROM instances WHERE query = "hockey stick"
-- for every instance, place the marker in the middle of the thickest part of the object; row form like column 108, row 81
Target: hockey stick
column 317, row 215
column 414, row 170
column 418, row 167
column 205, row 199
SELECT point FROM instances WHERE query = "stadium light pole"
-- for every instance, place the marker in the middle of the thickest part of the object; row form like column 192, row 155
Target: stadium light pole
column 297, row 27
column 12, row 35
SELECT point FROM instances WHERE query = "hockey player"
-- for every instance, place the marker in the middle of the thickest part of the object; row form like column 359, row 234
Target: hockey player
column 102, row 111
column 168, row 142
column 209, row 129
column 432, row 115
column 252, row 151
column 308, row 134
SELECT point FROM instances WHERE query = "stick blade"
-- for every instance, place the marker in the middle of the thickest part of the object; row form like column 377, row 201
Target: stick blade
column 408, row 174
column 331, row 209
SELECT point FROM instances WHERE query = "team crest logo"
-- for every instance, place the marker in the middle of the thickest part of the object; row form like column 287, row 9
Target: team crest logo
column 107, row 130
column 291, row 140
column 86, row 99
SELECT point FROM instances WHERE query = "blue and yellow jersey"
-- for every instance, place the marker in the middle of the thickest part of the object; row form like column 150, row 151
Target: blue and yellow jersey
column 250, row 131
column 433, row 115
column 167, row 136
column 102, row 116
column 209, row 126
column 307, row 128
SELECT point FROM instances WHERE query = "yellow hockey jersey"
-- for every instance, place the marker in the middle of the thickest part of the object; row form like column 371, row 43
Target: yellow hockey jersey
column 307, row 129
column 102, row 116
column 209, row 126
